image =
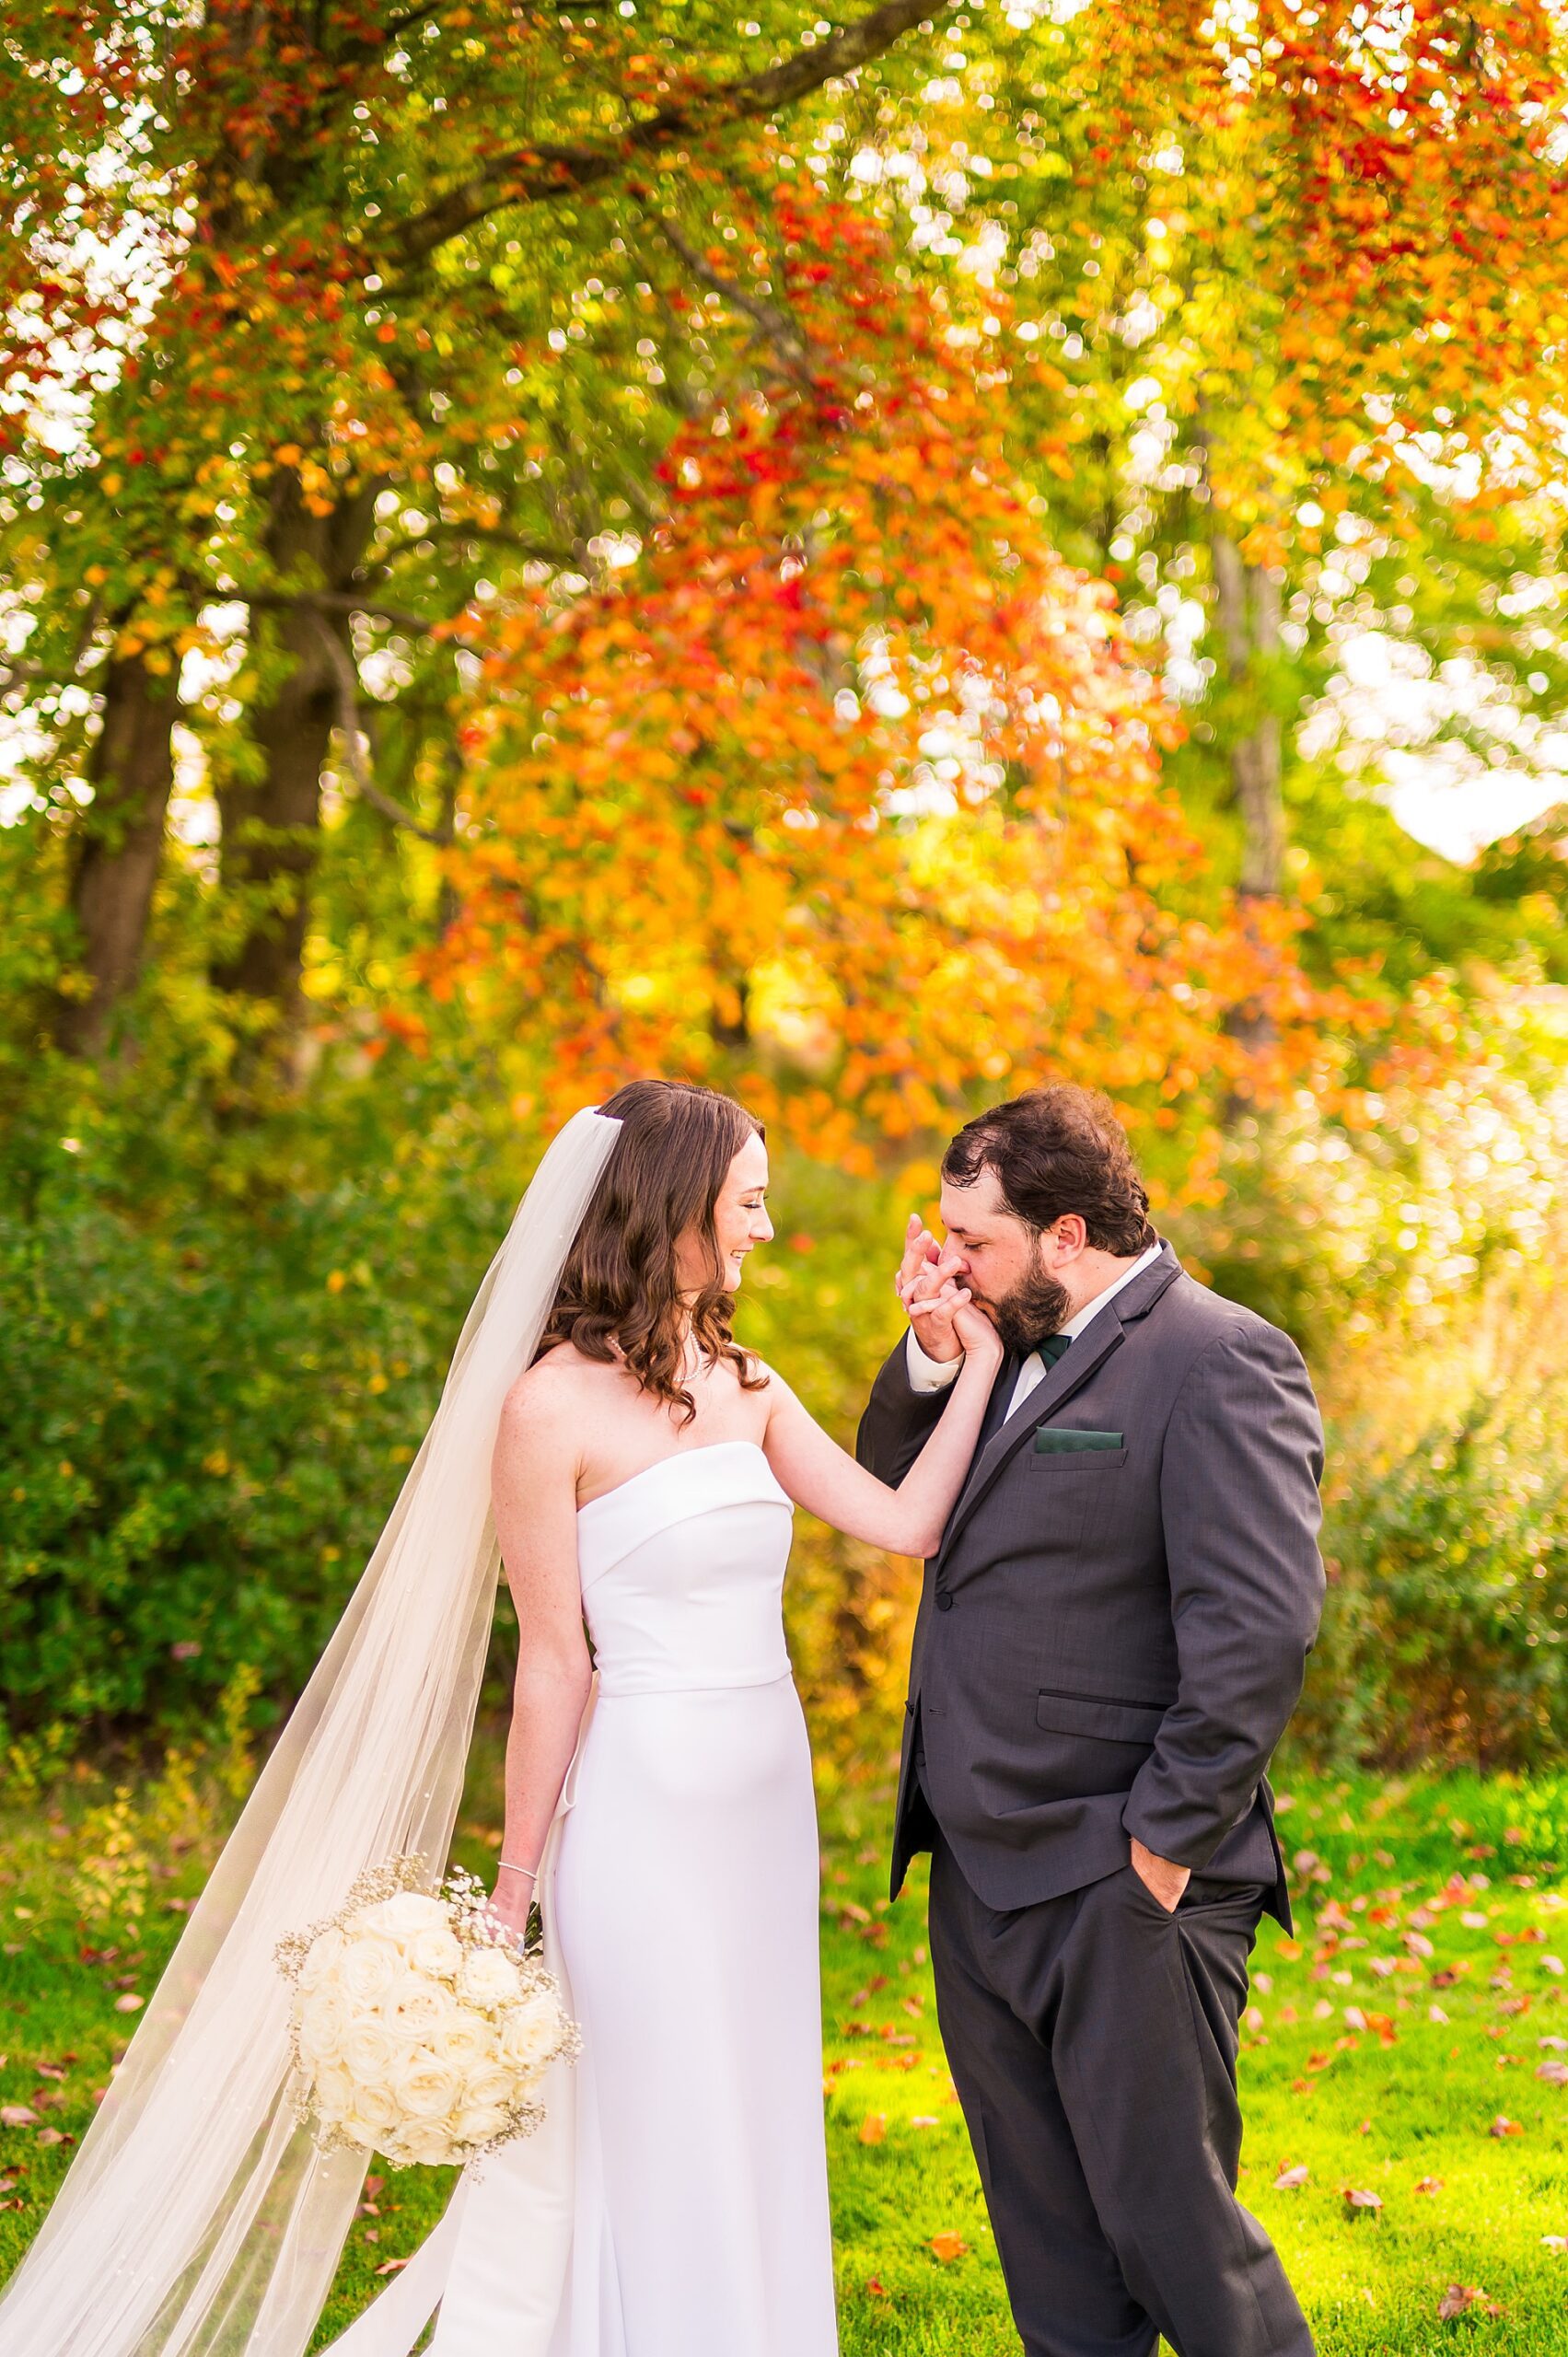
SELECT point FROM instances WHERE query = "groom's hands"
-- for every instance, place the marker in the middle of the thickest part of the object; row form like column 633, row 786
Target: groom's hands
column 1166, row 1880
column 924, row 1289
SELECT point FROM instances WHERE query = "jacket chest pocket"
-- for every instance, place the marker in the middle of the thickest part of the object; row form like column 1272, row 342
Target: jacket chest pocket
column 1072, row 1492
column 1066, row 1463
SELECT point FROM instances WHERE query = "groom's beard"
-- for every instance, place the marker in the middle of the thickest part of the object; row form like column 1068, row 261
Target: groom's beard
column 1037, row 1307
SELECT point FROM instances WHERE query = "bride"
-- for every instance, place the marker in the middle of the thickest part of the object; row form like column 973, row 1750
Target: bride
column 642, row 1470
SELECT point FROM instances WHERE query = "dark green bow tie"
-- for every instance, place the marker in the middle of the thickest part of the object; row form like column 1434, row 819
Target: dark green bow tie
column 1052, row 1349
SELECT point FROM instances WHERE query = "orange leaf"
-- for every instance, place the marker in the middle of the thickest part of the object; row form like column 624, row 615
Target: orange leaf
column 947, row 2247
column 873, row 2128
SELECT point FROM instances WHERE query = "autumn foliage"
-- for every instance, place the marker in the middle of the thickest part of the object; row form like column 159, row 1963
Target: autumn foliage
column 845, row 769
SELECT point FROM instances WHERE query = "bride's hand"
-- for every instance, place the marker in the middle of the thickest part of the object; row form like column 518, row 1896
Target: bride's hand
column 976, row 1332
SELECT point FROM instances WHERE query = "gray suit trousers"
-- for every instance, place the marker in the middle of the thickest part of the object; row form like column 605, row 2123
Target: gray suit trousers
column 1093, row 2041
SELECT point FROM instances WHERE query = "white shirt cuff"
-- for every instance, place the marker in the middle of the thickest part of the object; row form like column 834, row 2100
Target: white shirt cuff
column 928, row 1373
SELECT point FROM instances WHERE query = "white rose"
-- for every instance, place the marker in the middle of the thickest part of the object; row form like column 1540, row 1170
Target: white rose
column 531, row 2031
column 323, row 2017
column 368, row 1968
column 427, row 2088
column 369, row 2053
column 334, row 2091
column 417, row 2009
column 489, row 1977
column 372, row 2113
column 478, row 2122
column 468, row 2041
column 492, row 2085
column 356, row 2130
column 321, row 1958
column 427, row 2143
column 436, row 1951
column 400, row 1916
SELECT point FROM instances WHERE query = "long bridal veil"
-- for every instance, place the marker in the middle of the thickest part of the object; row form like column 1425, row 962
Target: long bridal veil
column 198, row 2220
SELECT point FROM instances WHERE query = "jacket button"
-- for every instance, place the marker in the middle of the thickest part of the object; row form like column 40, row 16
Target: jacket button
column 944, row 1602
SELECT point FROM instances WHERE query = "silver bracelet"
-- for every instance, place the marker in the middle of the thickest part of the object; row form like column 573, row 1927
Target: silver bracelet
column 507, row 1867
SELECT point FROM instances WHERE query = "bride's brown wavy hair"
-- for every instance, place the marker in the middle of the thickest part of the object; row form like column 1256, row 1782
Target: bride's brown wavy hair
column 620, row 1296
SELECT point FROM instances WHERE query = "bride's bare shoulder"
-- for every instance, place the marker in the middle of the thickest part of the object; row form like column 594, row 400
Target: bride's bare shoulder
column 555, row 1391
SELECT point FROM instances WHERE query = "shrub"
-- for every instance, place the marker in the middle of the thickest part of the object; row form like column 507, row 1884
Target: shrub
column 207, row 1422
column 1446, row 1630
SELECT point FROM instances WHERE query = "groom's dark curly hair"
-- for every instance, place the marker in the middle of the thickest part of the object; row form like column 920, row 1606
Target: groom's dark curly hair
column 1057, row 1150
column 619, row 1297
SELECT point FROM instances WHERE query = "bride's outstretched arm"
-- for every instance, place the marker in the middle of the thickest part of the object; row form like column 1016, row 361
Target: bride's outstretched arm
column 826, row 1480
column 534, row 1496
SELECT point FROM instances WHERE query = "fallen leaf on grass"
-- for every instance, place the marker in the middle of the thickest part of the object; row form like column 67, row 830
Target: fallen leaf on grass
column 1500, row 2127
column 1555, row 2242
column 17, row 2115
column 391, row 2265
column 1288, row 2179
column 130, row 2002
column 873, row 2128
column 1358, row 2198
column 1430, row 2184
column 1557, row 2072
column 949, row 2246
column 1460, row 2297
column 53, row 2136
column 876, row 2289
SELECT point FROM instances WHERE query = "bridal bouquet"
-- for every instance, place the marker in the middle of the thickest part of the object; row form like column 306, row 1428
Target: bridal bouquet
column 419, row 2029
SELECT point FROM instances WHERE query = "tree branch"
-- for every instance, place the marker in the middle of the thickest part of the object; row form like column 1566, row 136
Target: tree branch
column 336, row 602
column 533, row 175
column 565, row 560
column 780, row 331
column 352, row 730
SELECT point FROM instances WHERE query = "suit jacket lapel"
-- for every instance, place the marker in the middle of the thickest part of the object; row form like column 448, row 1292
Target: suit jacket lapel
column 1072, row 1371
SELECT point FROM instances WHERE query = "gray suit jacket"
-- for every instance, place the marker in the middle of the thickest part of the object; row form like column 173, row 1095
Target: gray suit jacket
column 1112, row 1636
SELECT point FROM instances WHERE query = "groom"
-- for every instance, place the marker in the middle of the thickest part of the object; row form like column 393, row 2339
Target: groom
column 1110, row 1641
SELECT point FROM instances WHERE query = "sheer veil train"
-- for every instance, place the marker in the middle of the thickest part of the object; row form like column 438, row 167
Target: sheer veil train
column 197, row 2219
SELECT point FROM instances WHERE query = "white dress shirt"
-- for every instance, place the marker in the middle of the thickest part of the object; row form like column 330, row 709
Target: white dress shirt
column 926, row 1374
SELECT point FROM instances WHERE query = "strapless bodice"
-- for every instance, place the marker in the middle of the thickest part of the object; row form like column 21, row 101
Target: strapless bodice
column 682, row 1573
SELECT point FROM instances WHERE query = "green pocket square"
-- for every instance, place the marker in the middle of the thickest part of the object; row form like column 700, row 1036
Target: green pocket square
column 1054, row 1439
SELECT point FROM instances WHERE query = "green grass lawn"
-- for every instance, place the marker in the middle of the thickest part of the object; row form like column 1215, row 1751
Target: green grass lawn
column 1396, row 2049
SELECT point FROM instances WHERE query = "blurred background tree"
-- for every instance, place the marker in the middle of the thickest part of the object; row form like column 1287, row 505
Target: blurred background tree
column 871, row 561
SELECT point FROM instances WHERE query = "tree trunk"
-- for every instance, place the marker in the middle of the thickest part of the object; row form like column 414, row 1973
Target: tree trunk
column 118, row 844
column 1249, row 623
column 272, row 822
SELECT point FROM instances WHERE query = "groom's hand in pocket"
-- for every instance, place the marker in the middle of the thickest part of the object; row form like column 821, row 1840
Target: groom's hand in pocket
column 1166, row 1880
column 924, row 1272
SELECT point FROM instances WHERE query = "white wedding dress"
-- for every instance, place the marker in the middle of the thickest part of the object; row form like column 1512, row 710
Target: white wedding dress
column 675, row 2203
